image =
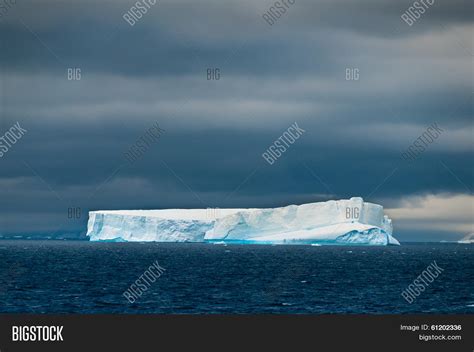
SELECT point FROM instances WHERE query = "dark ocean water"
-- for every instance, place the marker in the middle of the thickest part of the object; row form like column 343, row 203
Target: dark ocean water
column 88, row 277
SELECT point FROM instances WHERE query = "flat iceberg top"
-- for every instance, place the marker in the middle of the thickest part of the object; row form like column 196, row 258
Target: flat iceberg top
column 346, row 221
column 177, row 214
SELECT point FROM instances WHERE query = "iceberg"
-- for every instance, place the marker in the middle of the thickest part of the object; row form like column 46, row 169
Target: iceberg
column 335, row 222
column 468, row 239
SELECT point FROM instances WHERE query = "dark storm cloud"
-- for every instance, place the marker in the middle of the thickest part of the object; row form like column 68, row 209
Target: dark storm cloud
column 216, row 131
column 179, row 37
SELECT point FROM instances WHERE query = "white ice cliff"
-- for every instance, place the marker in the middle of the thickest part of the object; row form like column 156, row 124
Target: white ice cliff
column 338, row 222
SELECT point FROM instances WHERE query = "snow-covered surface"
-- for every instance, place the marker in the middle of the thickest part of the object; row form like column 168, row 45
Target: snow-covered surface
column 332, row 222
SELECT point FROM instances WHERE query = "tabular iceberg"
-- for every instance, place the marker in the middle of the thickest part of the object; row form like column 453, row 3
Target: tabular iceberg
column 469, row 238
column 342, row 222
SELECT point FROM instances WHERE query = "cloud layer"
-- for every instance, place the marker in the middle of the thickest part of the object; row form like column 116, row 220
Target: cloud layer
column 216, row 130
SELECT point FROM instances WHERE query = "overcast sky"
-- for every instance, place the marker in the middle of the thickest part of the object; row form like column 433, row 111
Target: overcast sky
column 210, row 154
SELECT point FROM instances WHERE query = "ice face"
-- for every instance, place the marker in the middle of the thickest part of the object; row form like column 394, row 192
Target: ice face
column 134, row 228
column 351, row 221
column 170, row 225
